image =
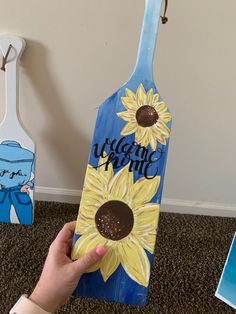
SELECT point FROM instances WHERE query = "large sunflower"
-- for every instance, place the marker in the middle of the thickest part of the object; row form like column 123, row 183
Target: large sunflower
column 116, row 212
column 146, row 116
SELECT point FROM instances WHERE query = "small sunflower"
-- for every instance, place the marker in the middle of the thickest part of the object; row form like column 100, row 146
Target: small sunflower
column 116, row 212
column 146, row 116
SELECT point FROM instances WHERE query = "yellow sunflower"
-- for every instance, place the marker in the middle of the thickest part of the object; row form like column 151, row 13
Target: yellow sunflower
column 116, row 212
column 146, row 116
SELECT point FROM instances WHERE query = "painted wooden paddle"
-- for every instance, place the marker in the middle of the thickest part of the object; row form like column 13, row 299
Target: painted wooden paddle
column 124, row 179
column 17, row 150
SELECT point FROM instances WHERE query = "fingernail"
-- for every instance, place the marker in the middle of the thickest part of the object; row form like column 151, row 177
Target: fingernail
column 100, row 250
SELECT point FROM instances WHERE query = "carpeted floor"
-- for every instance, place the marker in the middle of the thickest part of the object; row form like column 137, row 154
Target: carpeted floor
column 190, row 254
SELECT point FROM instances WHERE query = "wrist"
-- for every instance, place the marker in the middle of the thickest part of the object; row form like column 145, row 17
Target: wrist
column 26, row 306
column 44, row 301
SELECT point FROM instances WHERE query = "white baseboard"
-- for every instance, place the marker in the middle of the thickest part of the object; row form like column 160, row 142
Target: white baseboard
column 168, row 205
column 198, row 207
column 43, row 193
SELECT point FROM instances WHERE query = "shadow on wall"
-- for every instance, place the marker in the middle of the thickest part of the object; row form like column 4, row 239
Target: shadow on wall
column 59, row 136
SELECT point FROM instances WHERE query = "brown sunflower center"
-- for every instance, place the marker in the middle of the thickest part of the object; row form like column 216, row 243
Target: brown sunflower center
column 146, row 116
column 114, row 220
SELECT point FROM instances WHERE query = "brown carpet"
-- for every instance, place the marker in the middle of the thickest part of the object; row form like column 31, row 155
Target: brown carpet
column 190, row 254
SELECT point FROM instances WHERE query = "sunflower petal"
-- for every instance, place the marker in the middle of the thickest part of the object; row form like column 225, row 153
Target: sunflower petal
column 143, row 190
column 130, row 94
column 165, row 117
column 89, row 208
column 127, row 115
column 83, row 225
column 163, row 128
column 134, row 261
column 145, row 227
column 155, row 98
column 86, row 243
column 140, row 134
column 148, row 241
column 92, row 199
column 143, row 139
column 157, row 132
column 109, row 263
column 157, row 129
column 87, row 215
column 161, row 139
column 93, row 181
column 160, row 107
column 152, row 141
column 150, row 97
column 141, row 96
column 129, row 103
column 107, row 175
column 146, row 218
column 129, row 128
column 119, row 187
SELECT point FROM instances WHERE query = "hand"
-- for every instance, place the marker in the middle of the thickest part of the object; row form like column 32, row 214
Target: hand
column 60, row 274
column 25, row 188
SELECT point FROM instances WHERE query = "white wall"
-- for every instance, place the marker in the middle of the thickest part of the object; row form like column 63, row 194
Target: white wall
column 80, row 52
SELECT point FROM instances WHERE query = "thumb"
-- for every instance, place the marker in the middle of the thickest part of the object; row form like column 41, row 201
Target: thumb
column 89, row 259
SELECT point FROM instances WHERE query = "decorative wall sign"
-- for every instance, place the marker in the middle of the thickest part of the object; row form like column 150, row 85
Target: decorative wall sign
column 123, row 183
column 17, row 150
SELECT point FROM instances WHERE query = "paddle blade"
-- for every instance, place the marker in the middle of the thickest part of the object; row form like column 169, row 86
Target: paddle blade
column 122, row 193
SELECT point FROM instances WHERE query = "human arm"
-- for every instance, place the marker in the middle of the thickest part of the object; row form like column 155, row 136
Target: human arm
column 60, row 274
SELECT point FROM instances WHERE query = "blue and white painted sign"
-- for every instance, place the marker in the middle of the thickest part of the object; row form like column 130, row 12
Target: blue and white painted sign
column 226, row 290
column 17, row 149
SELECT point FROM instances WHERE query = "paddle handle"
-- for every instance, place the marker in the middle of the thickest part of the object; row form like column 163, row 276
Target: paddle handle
column 148, row 38
column 11, row 75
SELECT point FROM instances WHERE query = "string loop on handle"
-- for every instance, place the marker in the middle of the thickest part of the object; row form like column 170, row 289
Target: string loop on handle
column 4, row 60
column 164, row 18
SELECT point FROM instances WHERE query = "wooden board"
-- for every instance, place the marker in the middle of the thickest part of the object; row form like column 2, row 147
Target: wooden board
column 124, row 179
column 17, row 150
